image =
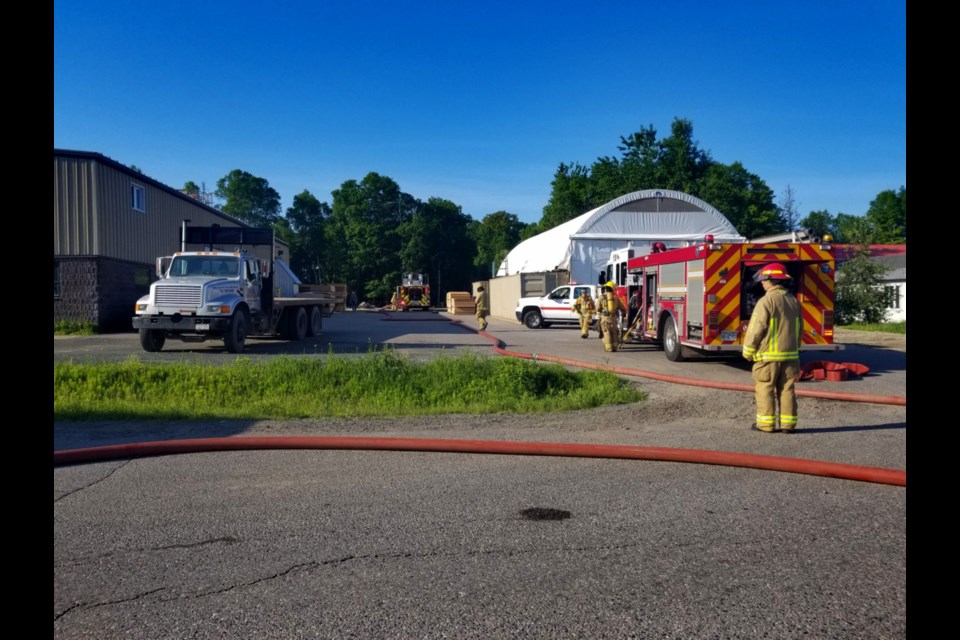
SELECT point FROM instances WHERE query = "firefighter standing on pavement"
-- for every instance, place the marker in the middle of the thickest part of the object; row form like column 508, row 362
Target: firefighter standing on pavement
column 609, row 305
column 585, row 308
column 483, row 308
column 772, row 343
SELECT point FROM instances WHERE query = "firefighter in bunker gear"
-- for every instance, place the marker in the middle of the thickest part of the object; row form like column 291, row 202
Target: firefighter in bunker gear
column 483, row 308
column 609, row 306
column 772, row 343
column 585, row 308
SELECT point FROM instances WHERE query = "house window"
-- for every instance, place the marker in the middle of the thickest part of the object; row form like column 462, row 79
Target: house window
column 56, row 280
column 137, row 197
column 892, row 295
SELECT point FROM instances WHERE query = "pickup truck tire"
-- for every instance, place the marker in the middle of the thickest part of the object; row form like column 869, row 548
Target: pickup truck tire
column 298, row 322
column 152, row 339
column 235, row 339
column 315, row 325
column 671, row 343
column 533, row 319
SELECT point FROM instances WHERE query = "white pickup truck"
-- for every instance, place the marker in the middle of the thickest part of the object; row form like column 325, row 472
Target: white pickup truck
column 555, row 307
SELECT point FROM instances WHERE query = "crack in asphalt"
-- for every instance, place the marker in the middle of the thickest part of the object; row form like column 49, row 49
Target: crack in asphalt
column 98, row 481
column 306, row 566
column 190, row 545
column 297, row 567
column 94, row 605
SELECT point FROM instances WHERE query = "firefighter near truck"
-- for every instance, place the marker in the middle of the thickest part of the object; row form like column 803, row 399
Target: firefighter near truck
column 227, row 295
column 697, row 300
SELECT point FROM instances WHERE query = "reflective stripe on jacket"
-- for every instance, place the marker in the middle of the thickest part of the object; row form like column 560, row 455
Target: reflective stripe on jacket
column 773, row 334
column 584, row 306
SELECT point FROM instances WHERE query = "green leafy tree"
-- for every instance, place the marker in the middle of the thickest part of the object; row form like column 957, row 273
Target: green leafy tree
column 675, row 162
column 368, row 216
column 570, row 196
column 681, row 164
column 888, row 216
column 436, row 241
column 743, row 198
column 822, row 222
column 307, row 218
column 858, row 290
column 494, row 237
column 855, row 230
column 191, row 188
column 249, row 198
column 531, row 230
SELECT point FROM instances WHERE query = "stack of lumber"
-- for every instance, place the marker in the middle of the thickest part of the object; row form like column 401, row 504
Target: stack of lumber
column 337, row 290
column 340, row 291
column 461, row 302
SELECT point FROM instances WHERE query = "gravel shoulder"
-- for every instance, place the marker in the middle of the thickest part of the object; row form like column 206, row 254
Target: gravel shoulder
column 880, row 339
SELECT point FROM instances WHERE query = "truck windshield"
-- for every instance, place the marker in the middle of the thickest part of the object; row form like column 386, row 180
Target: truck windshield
column 226, row 266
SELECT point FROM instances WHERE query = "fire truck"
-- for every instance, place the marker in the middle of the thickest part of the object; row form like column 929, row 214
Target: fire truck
column 413, row 292
column 697, row 300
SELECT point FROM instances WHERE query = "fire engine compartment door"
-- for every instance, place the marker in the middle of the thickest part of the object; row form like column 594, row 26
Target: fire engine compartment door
column 751, row 291
column 694, row 309
column 649, row 309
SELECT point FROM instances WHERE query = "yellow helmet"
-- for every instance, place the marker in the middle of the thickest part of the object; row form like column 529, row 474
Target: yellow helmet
column 611, row 284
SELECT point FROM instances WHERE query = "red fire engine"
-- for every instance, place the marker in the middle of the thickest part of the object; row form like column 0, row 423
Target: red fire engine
column 697, row 300
column 413, row 293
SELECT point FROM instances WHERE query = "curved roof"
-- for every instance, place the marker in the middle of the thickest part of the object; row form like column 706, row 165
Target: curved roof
column 638, row 217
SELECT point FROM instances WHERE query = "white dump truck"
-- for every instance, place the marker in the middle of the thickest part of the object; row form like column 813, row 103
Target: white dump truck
column 227, row 294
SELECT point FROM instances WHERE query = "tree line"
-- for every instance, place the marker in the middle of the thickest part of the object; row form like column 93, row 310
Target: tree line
column 372, row 232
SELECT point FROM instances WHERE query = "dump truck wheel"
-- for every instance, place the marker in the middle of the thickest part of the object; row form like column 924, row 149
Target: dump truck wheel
column 152, row 339
column 315, row 325
column 298, row 323
column 235, row 339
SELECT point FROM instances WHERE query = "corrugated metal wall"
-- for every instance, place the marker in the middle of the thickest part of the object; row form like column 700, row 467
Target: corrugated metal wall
column 93, row 214
column 74, row 232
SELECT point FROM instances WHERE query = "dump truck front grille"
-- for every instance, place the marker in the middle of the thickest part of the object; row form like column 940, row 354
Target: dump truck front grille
column 182, row 295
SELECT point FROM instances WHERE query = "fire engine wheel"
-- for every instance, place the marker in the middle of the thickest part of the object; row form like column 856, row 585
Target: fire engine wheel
column 671, row 344
column 533, row 319
column 236, row 336
column 315, row 325
column 152, row 339
column 297, row 324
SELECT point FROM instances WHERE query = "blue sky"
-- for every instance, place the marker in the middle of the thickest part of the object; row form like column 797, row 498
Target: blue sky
column 479, row 102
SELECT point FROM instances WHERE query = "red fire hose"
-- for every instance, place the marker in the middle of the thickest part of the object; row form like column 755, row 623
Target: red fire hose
column 623, row 452
column 498, row 346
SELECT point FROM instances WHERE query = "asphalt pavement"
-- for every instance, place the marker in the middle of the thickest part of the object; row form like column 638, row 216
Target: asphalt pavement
column 368, row 544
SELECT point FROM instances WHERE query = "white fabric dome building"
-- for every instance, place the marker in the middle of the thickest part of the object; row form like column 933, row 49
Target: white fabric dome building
column 582, row 246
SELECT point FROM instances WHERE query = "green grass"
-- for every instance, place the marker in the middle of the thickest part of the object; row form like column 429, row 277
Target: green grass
column 376, row 384
column 888, row 327
column 73, row 328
